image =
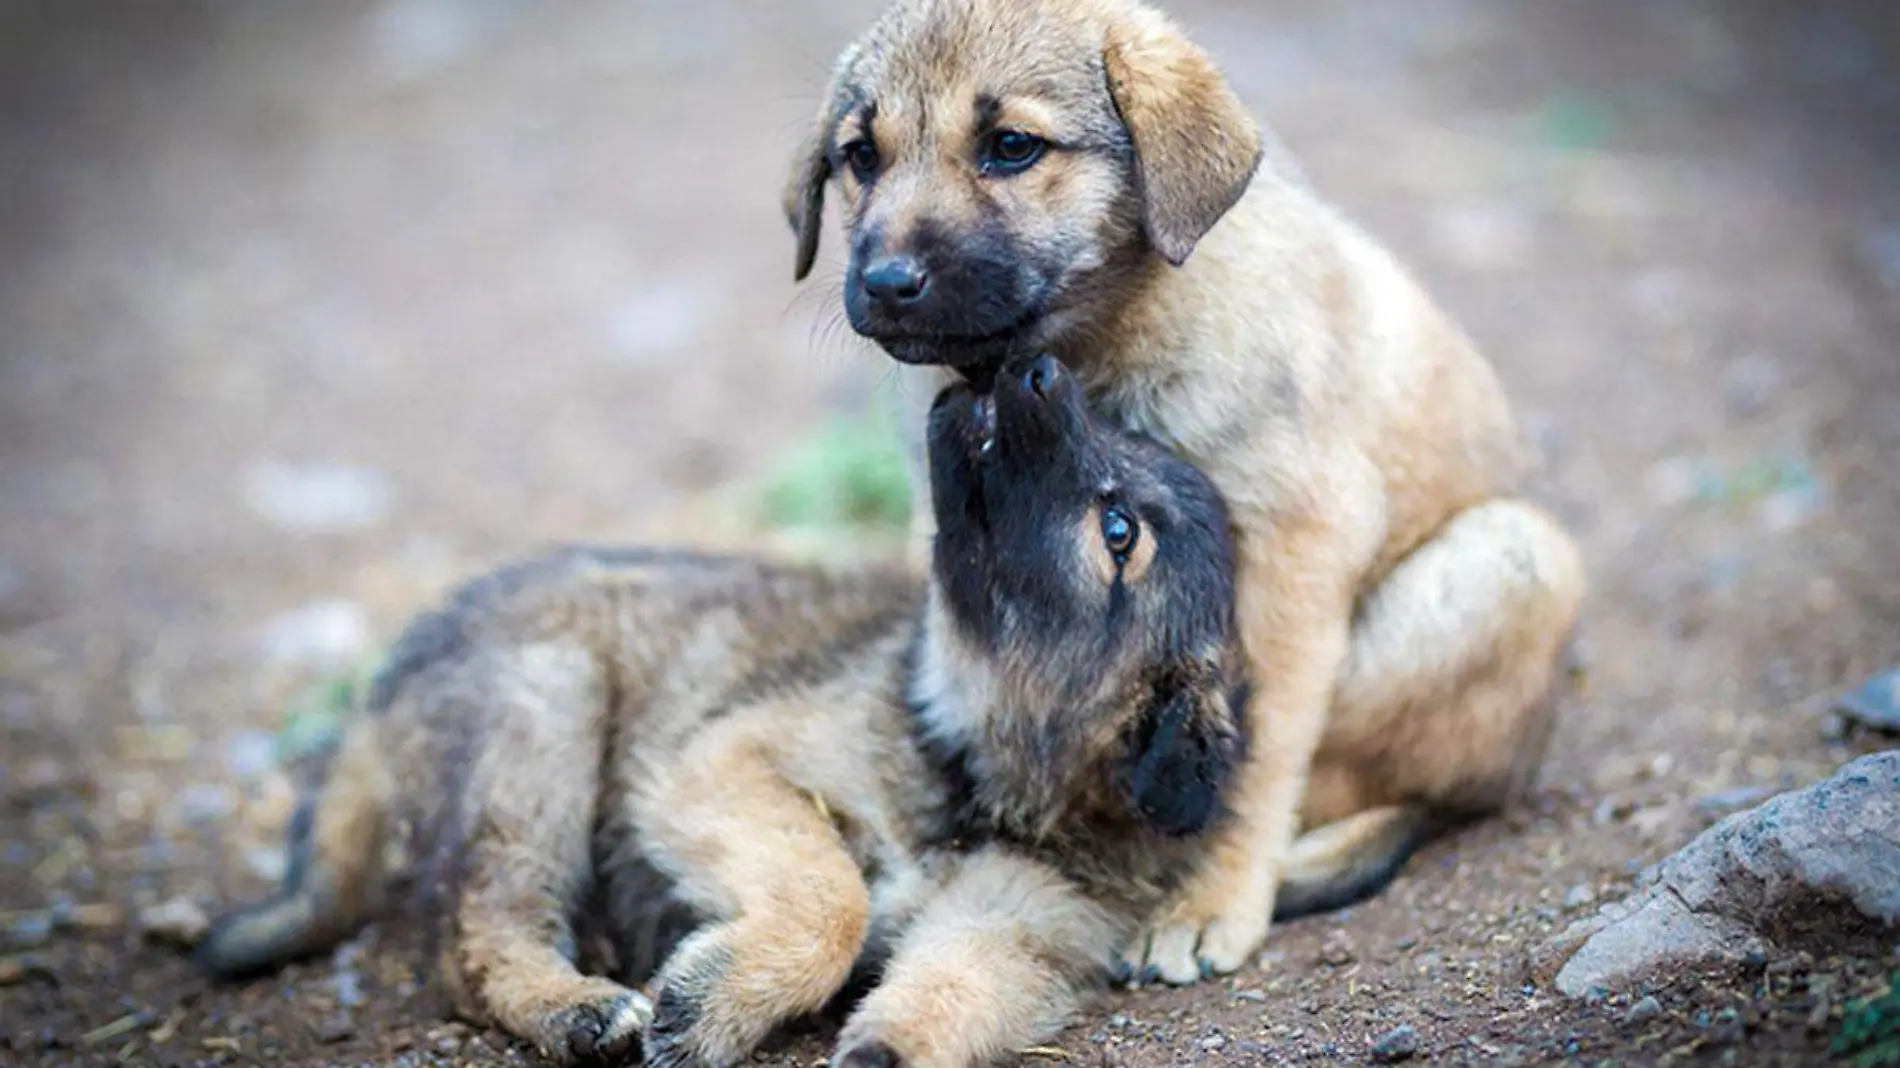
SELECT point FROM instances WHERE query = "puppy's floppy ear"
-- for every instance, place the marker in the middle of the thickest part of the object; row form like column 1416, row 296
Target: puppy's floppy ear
column 1196, row 144
column 1186, row 746
column 804, row 196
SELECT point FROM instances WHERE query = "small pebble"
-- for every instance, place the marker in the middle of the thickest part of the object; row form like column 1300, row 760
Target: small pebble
column 205, row 803
column 30, row 929
column 1337, row 950
column 1398, row 1044
column 1643, row 1011
column 1579, row 895
column 178, row 922
column 1214, row 1042
column 349, row 987
column 1247, row 993
column 1877, row 703
column 335, row 1028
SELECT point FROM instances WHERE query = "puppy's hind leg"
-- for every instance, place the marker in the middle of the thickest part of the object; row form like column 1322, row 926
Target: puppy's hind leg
column 527, row 861
column 790, row 907
column 1444, row 706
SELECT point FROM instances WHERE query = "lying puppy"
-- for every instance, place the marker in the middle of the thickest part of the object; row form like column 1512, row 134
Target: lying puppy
column 1075, row 176
column 981, row 786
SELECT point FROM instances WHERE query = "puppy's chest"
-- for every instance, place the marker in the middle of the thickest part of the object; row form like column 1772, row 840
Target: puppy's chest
column 1085, row 829
column 1240, row 442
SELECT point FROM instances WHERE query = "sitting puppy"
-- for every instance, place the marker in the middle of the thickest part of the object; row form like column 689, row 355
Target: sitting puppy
column 1076, row 177
column 978, row 787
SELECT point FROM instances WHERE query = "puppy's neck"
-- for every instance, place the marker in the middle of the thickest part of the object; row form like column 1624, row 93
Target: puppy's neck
column 1029, row 771
column 1202, row 319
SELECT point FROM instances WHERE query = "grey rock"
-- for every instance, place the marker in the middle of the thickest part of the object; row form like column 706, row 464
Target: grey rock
column 1809, row 862
column 178, row 922
column 1643, row 1011
column 1398, row 1044
column 1877, row 703
column 1579, row 895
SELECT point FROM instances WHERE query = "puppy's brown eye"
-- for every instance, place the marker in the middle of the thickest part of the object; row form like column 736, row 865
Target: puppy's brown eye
column 1007, row 152
column 861, row 156
column 1120, row 532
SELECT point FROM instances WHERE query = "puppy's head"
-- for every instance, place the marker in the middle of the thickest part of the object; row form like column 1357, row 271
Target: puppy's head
column 1005, row 166
column 1084, row 578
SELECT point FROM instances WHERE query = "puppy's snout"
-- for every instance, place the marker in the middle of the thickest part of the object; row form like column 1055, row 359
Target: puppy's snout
column 896, row 281
column 1042, row 377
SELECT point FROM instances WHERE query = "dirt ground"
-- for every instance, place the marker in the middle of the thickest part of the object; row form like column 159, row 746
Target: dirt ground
column 307, row 310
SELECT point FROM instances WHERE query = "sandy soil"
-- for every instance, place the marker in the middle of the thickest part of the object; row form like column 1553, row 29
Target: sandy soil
column 308, row 312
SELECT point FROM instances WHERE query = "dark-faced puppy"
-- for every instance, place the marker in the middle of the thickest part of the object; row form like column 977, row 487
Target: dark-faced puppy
column 1108, row 561
column 983, row 782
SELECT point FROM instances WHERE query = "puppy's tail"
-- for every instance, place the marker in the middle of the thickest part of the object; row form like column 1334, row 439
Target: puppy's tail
column 336, row 865
column 1347, row 861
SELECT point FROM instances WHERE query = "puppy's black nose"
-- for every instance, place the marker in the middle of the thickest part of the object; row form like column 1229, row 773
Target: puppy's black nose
column 1043, row 374
column 896, row 281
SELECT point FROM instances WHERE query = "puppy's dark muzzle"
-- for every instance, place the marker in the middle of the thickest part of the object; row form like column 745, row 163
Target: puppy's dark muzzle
column 1039, row 408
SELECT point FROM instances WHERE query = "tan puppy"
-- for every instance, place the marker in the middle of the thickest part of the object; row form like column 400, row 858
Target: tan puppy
column 979, row 789
column 1075, row 176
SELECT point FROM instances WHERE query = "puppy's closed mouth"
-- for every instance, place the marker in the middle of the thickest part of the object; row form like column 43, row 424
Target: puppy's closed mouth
column 976, row 355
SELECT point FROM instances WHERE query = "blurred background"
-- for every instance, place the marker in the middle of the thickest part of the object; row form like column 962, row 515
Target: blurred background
column 307, row 311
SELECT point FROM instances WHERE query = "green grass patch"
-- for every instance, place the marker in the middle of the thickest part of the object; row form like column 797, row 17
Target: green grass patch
column 314, row 717
column 851, row 476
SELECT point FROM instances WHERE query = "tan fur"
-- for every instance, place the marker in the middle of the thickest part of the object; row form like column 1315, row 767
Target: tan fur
column 1401, row 609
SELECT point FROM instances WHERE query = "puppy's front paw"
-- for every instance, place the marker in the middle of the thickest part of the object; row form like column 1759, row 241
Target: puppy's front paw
column 707, row 1014
column 871, row 1054
column 671, row 1039
column 1214, row 928
column 603, row 1032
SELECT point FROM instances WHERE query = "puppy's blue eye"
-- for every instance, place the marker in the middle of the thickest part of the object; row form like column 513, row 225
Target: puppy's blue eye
column 1007, row 152
column 1119, row 533
column 861, row 155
